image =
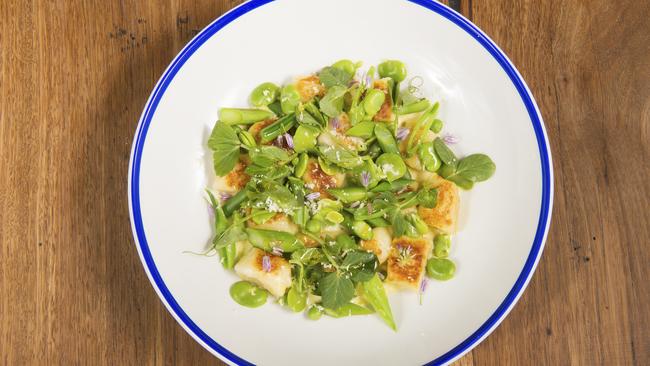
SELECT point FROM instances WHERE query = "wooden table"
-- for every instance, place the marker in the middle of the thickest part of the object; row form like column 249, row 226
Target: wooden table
column 76, row 74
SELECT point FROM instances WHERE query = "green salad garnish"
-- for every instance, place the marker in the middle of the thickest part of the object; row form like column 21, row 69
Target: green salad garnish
column 333, row 188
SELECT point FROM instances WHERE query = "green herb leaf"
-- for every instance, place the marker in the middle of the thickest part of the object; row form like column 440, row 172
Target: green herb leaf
column 336, row 290
column 232, row 235
column 444, row 152
column 332, row 102
column 332, row 76
column 225, row 145
column 348, row 310
column 374, row 293
column 340, row 156
column 428, row 197
column 274, row 197
column 476, row 167
column 268, row 155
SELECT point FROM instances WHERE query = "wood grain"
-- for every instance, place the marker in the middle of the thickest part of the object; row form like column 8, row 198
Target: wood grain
column 75, row 75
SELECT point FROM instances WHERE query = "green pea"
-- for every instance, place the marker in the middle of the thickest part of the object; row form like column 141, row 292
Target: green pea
column 392, row 165
column 242, row 116
column 314, row 226
column 441, row 269
column 436, row 127
column 247, row 294
column 393, row 69
column 373, row 101
column 363, row 230
column 246, row 139
column 441, row 245
column 349, row 194
column 301, row 165
column 362, row 129
column 264, row 94
column 428, row 157
column 414, row 107
column 334, row 217
column 386, row 139
column 296, row 300
column 305, row 138
column 289, row 98
column 347, row 66
column 314, row 312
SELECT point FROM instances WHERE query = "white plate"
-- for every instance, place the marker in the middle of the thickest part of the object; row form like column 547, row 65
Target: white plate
column 484, row 102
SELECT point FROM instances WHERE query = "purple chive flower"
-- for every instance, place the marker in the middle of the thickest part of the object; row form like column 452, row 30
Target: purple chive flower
column 224, row 196
column 402, row 133
column 450, row 139
column 335, row 123
column 368, row 80
column 369, row 207
column 355, row 204
column 278, row 140
column 277, row 251
column 423, row 285
column 365, row 178
column 266, row 263
column 312, row 196
column 210, row 211
column 289, row 140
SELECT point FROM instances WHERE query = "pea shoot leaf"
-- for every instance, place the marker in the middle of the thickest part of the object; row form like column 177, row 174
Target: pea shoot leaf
column 476, row 167
column 225, row 145
column 444, row 152
column 336, row 290
column 340, row 156
column 332, row 76
column 332, row 102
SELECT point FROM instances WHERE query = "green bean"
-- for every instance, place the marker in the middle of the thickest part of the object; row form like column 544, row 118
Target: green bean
column 373, row 101
column 386, row 139
column 363, row 129
column 348, row 220
column 247, row 294
column 305, row 138
column 441, row 269
column 234, row 202
column 428, row 157
column 393, row 69
column 242, row 116
column 378, row 222
column 392, row 165
column 414, row 107
column 277, row 128
column 441, row 245
column 348, row 310
column 301, row 165
column 289, row 99
column 349, row 194
column 421, row 127
column 301, row 216
column 314, row 312
column 247, row 139
column 418, row 223
column 264, row 94
column 347, row 66
column 436, row 126
column 227, row 255
column 296, row 300
column 362, row 229
column 269, row 239
column 314, row 226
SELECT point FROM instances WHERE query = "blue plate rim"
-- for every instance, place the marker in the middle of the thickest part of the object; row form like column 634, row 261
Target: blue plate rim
column 538, row 126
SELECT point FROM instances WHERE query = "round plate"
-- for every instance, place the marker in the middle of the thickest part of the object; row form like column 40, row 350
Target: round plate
column 484, row 102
